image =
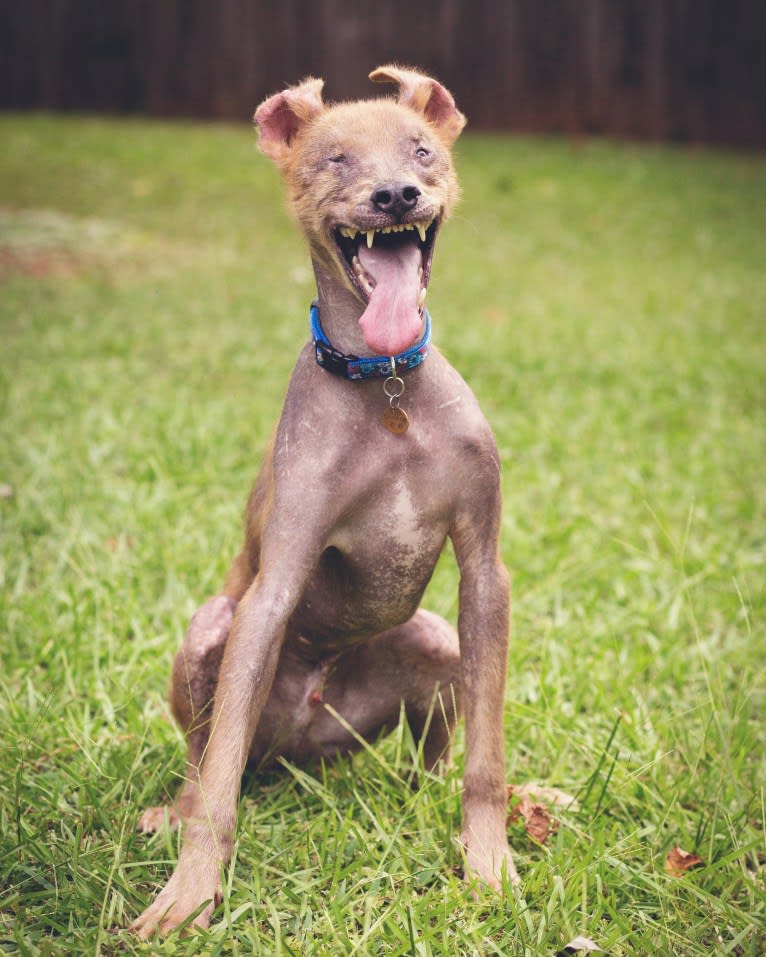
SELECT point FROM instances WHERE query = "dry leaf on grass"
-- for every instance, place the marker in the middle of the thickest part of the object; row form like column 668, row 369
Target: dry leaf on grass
column 678, row 862
column 537, row 819
column 578, row 945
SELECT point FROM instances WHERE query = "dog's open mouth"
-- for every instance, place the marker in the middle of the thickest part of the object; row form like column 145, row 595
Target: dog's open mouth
column 391, row 267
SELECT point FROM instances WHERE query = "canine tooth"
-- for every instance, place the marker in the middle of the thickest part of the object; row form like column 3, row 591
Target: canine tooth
column 370, row 237
column 421, row 231
column 422, row 298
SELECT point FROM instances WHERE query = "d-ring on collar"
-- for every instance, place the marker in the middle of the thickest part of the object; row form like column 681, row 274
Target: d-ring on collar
column 365, row 367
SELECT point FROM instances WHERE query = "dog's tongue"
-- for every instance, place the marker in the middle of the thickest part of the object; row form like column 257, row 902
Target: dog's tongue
column 391, row 322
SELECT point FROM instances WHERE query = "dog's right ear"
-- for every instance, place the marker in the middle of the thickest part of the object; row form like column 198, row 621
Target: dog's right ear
column 281, row 117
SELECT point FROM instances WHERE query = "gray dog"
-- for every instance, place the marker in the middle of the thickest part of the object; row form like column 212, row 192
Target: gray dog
column 317, row 640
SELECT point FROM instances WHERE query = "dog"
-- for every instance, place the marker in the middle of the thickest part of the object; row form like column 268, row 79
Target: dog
column 316, row 642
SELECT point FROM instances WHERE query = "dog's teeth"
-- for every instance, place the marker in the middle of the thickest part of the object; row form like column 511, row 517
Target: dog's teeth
column 422, row 297
column 420, row 272
column 421, row 231
column 370, row 237
column 362, row 277
column 365, row 283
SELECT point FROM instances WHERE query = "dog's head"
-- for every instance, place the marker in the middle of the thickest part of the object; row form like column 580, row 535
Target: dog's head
column 370, row 183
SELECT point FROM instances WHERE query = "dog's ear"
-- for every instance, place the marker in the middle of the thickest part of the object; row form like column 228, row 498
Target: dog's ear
column 425, row 95
column 280, row 117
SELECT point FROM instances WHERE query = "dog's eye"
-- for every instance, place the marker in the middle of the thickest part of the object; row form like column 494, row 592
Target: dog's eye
column 338, row 158
column 422, row 152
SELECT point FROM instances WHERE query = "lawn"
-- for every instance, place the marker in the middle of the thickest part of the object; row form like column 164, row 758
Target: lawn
column 607, row 303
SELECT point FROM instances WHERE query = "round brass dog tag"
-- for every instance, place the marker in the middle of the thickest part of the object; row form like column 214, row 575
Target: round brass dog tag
column 395, row 420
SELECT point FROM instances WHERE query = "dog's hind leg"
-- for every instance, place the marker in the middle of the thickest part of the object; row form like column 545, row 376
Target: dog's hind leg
column 417, row 665
column 195, row 675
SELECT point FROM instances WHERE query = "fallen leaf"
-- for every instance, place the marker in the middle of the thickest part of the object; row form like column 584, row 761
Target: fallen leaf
column 577, row 945
column 537, row 819
column 6, row 491
column 678, row 862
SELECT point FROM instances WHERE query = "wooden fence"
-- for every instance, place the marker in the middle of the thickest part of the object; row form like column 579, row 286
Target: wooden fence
column 687, row 70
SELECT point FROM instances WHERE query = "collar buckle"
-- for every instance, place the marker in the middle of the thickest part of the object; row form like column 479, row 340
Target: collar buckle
column 330, row 359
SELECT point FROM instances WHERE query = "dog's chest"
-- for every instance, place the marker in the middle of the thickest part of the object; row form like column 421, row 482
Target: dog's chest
column 379, row 560
column 399, row 523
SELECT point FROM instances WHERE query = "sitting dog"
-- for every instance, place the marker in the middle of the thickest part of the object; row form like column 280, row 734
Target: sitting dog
column 381, row 453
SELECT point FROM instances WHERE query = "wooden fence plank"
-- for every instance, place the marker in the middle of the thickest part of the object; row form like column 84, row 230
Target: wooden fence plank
column 689, row 70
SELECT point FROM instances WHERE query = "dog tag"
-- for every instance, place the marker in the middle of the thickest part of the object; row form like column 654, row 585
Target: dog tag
column 395, row 420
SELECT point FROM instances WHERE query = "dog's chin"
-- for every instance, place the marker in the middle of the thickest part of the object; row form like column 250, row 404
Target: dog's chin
column 349, row 241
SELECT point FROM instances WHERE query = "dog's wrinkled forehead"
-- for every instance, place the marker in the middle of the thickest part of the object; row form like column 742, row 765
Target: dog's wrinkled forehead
column 368, row 133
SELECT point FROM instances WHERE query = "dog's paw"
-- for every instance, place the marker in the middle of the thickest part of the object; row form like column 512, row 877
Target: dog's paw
column 183, row 901
column 488, row 861
column 156, row 818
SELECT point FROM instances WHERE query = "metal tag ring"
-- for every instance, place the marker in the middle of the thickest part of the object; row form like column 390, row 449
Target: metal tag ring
column 393, row 387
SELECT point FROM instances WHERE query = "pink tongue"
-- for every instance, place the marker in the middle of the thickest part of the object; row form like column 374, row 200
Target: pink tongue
column 391, row 322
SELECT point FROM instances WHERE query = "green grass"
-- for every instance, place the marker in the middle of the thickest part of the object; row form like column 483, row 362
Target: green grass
column 607, row 304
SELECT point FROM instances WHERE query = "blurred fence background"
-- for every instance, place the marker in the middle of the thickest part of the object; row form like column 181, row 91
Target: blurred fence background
column 685, row 70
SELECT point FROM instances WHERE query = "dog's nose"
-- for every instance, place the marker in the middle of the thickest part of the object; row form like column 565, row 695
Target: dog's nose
column 395, row 198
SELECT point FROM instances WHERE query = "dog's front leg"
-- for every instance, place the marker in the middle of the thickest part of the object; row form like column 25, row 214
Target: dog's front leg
column 245, row 679
column 483, row 629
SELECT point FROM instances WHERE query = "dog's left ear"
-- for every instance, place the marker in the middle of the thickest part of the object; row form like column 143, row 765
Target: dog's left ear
column 425, row 95
column 281, row 117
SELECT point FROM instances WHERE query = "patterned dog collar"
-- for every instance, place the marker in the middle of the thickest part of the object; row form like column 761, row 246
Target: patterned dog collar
column 365, row 367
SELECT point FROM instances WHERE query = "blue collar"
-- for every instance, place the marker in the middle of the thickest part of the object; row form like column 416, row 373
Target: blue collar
column 369, row 367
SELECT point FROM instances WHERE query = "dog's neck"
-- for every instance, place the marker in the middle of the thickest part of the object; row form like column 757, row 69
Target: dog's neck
column 340, row 310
